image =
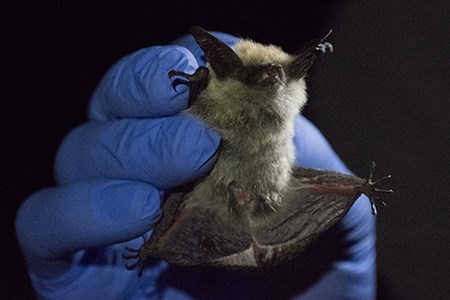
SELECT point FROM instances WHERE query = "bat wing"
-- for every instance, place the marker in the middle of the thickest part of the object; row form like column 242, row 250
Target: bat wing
column 192, row 233
column 314, row 201
column 198, row 232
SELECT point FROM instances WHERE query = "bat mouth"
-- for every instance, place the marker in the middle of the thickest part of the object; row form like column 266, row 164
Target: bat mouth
column 271, row 80
column 272, row 76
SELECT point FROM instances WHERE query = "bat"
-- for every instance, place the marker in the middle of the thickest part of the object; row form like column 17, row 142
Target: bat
column 255, row 209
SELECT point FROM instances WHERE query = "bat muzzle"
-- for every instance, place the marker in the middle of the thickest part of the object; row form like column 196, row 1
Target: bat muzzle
column 262, row 76
column 272, row 76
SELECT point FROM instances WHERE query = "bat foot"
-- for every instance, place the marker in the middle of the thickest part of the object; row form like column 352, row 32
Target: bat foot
column 197, row 81
column 137, row 255
column 198, row 75
column 370, row 190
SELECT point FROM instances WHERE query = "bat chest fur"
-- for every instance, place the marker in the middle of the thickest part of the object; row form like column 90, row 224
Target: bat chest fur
column 259, row 175
column 257, row 151
column 252, row 171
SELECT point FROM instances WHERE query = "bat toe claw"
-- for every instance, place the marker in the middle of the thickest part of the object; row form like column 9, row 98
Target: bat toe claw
column 136, row 254
column 131, row 249
column 139, row 263
column 200, row 74
column 373, row 206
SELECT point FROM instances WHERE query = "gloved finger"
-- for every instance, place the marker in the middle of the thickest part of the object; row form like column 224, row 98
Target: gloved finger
column 58, row 221
column 95, row 273
column 358, row 226
column 164, row 152
column 313, row 150
column 138, row 86
column 189, row 43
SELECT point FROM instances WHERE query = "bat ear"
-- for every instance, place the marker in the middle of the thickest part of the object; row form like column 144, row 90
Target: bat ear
column 306, row 56
column 222, row 58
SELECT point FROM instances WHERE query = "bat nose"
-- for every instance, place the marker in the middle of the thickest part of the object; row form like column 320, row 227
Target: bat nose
column 274, row 70
column 273, row 74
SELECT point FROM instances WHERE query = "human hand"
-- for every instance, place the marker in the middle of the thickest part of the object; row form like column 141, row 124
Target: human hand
column 352, row 241
column 111, row 173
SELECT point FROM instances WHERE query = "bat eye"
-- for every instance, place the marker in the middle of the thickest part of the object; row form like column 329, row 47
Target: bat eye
column 208, row 243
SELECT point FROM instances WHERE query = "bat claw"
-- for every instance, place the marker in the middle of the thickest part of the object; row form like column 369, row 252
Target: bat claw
column 373, row 206
column 139, row 264
column 372, row 192
column 131, row 249
column 137, row 254
column 197, row 81
column 382, row 191
column 125, row 256
column 382, row 179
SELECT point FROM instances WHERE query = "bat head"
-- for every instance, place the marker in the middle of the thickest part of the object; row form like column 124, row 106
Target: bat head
column 255, row 64
column 253, row 71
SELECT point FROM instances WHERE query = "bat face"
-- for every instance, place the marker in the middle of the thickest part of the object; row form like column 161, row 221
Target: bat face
column 254, row 210
column 252, row 71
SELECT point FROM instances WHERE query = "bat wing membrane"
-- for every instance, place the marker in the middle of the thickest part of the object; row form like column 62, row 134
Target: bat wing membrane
column 314, row 202
column 193, row 232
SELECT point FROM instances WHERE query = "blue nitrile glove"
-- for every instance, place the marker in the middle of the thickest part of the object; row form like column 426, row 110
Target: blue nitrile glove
column 111, row 172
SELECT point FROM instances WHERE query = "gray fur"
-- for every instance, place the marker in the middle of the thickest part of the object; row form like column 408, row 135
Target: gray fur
column 257, row 128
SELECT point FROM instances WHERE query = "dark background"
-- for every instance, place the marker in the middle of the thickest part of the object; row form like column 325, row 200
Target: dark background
column 381, row 96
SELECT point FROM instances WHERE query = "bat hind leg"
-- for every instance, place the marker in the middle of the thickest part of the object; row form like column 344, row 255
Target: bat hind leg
column 372, row 192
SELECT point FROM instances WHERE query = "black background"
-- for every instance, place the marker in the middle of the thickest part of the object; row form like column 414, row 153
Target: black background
column 381, row 96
